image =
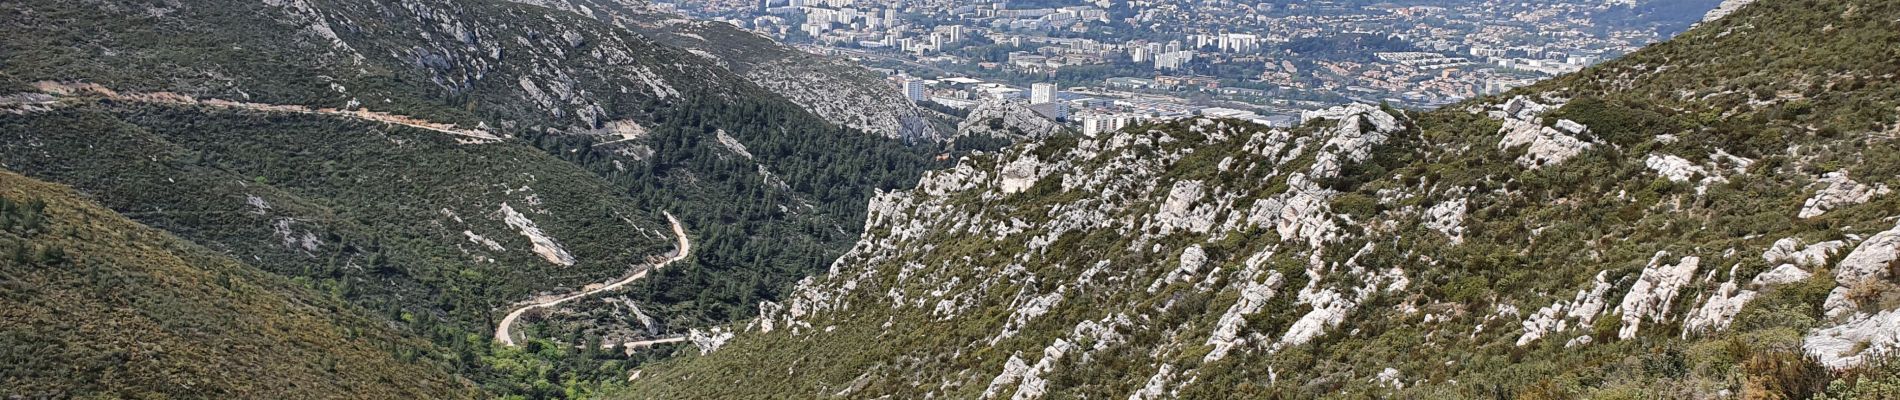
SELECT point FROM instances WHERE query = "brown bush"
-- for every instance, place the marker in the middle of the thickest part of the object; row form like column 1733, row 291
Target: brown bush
column 1782, row 374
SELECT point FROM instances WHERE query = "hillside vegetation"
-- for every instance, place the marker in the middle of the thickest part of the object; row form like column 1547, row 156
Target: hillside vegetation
column 239, row 127
column 1710, row 217
column 93, row 305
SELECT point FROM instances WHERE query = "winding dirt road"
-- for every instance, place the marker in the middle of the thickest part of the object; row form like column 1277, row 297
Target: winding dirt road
column 679, row 253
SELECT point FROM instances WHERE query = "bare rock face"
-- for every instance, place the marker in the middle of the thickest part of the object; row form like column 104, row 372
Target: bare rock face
column 1033, row 384
column 1019, row 175
column 544, row 245
column 1448, row 217
column 1721, row 308
column 840, row 92
column 1013, row 371
column 1120, row 184
column 1650, row 298
column 1007, row 119
column 1790, row 257
column 1869, row 263
column 1723, row 10
column 1840, row 191
column 1181, row 211
column 1557, row 317
column 1543, row 145
column 1791, row 251
column 1674, row 168
column 709, row 340
column 1253, row 297
column 1856, row 341
column 1782, row 275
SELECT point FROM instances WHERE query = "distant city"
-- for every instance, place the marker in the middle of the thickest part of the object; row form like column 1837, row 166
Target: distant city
column 1104, row 64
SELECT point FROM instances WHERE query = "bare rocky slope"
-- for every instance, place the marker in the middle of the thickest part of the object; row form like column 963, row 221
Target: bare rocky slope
column 1711, row 217
column 842, row 93
column 1007, row 119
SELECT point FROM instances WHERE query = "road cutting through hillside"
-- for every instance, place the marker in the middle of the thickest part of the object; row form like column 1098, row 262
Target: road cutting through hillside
column 61, row 89
column 650, row 343
column 685, row 247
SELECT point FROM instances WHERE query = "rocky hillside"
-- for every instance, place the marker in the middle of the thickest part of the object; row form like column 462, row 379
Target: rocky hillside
column 96, row 306
column 838, row 91
column 436, row 162
column 1006, row 119
column 1711, row 217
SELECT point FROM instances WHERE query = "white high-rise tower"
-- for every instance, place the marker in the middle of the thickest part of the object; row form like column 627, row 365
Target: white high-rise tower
column 1042, row 93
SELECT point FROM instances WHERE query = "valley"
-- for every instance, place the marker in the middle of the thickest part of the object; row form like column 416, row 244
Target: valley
column 562, row 199
column 504, row 335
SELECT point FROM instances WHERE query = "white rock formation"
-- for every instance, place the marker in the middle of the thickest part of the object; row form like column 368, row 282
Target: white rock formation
column 544, row 245
column 485, row 242
column 732, row 144
column 1872, row 260
column 1677, row 169
column 1790, row 251
column 1253, row 297
column 1522, row 107
column 1390, row 378
column 1723, row 10
column 1723, row 305
column 1021, row 174
column 1028, row 311
column 1307, row 212
column 1556, row 317
column 1545, row 321
column 1034, row 385
column 1782, row 275
column 1448, row 217
column 710, row 340
column 1013, row 370
column 1350, row 141
column 1543, row 145
column 1855, row 341
column 1654, row 292
column 1179, row 211
column 1192, row 259
column 1007, row 119
column 1157, row 386
column 1840, row 191
column 1329, row 309
column 1587, row 306
column 1126, row 189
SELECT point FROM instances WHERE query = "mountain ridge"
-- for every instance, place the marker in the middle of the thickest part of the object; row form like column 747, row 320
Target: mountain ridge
column 1668, row 224
column 845, row 94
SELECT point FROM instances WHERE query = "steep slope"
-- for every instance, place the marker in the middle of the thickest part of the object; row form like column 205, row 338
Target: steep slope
column 93, row 305
column 626, row 128
column 396, row 218
column 1005, row 119
column 438, row 161
column 840, row 92
column 1708, row 217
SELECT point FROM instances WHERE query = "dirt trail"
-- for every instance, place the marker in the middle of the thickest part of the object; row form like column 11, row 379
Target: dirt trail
column 684, row 247
column 650, row 343
column 70, row 89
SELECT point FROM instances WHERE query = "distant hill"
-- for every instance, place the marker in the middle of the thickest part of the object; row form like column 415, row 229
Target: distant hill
column 836, row 90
